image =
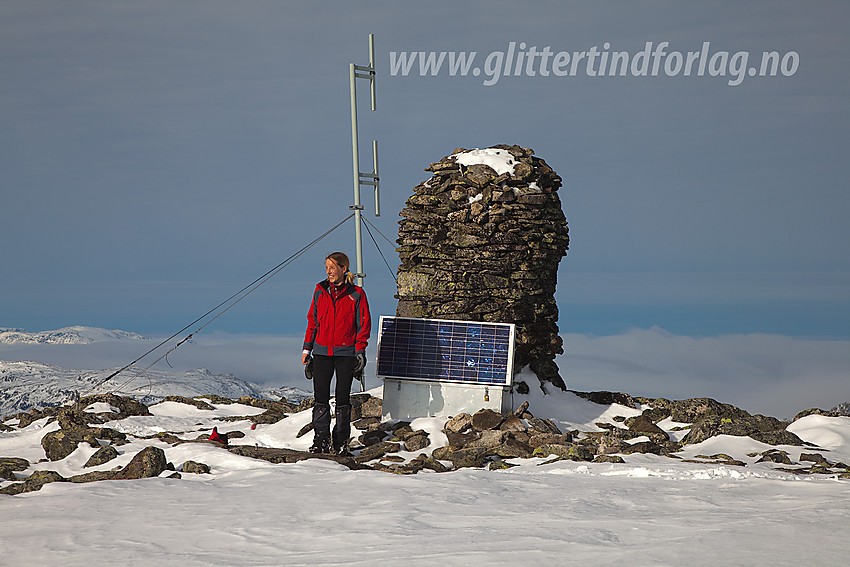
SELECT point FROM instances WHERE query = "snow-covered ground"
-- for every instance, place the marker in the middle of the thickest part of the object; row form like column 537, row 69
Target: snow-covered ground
column 652, row 510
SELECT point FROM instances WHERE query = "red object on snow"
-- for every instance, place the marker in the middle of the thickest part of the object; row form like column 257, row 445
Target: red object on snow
column 253, row 426
column 216, row 436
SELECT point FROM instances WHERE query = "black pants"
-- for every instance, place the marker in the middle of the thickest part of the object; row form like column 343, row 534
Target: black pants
column 324, row 368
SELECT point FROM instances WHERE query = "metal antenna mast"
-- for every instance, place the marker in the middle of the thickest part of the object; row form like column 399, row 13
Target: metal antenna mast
column 359, row 72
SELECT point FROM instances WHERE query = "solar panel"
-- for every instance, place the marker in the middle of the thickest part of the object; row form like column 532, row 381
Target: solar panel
column 468, row 352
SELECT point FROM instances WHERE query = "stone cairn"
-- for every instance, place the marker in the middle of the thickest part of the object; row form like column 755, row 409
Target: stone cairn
column 481, row 240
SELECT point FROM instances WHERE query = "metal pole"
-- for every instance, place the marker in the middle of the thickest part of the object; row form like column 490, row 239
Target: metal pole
column 372, row 67
column 358, row 237
column 375, row 173
column 362, row 178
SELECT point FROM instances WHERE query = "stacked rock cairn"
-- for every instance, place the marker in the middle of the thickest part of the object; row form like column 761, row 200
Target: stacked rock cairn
column 481, row 240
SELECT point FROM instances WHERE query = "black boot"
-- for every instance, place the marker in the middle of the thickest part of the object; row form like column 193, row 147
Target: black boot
column 342, row 430
column 321, row 444
column 321, row 429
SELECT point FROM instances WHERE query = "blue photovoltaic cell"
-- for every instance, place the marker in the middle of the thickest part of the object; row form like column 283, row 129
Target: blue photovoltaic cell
column 435, row 349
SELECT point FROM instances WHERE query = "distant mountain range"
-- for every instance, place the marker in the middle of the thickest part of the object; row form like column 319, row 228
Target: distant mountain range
column 25, row 385
column 28, row 385
column 76, row 335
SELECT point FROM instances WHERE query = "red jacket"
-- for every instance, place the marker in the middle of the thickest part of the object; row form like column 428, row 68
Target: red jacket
column 341, row 327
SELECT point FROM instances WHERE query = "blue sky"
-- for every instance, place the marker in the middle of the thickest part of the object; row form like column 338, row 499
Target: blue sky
column 157, row 156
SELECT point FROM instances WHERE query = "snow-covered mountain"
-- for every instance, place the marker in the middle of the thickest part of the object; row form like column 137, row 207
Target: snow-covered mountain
column 28, row 385
column 76, row 335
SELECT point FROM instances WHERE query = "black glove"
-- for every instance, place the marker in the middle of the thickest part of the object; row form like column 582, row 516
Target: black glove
column 359, row 362
column 308, row 368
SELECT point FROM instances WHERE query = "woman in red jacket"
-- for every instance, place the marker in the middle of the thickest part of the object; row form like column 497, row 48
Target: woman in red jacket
column 338, row 329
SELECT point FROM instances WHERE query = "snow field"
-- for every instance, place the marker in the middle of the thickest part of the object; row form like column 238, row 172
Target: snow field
column 649, row 511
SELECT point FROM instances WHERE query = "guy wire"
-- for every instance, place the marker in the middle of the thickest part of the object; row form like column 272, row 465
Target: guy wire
column 250, row 288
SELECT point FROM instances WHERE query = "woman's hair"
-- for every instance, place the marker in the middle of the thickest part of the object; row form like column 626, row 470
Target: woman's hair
column 340, row 259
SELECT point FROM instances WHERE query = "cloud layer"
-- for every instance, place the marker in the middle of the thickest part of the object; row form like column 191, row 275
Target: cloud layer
column 771, row 374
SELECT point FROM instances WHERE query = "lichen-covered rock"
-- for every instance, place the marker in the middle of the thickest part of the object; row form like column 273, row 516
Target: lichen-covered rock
column 608, row 459
column 695, row 409
column 149, row 462
column 93, row 476
column 417, row 442
column 818, row 411
column 642, row 424
column 775, row 456
column 33, row 483
column 101, row 456
column 126, row 406
column 607, row 398
column 460, row 423
column 481, row 244
column 196, row 467
column 539, row 439
column 377, row 450
column 512, row 423
column 475, row 457
column 371, row 437
column 543, row 425
column 644, row 447
column 570, row 451
column 10, row 465
column 513, row 447
column 485, row 419
column 59, row 444
column 766, row 429
column 605, row 444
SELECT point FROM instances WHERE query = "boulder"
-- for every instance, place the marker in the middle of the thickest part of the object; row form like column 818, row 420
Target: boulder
column 514, row 448
column 372, row 408
column 817, row 411
column 195, row 467
column 766, row 429
column 643, row 447
column 93, row 476
column 149, row 462
column 473, row 457
column 60, row 443
column 608, row 459
column 539, row 439
column 543, row 425
column 376, row 451
column 607, row 398
column 417, row 441
column 101, row 456
column 460, row 423
column 35, row 481
column 605, row 444
column 568, row 451
column 371, row 437
column 643, row 425
column 485, row 419
column 198, row 403
column 10, row 465
column 775, row 456
column 513, row 423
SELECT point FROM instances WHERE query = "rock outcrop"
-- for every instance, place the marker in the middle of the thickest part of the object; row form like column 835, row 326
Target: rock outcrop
column 482, row 439
column 481, row 240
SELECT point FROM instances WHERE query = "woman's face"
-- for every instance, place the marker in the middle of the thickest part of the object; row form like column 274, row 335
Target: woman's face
column 335, row 272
